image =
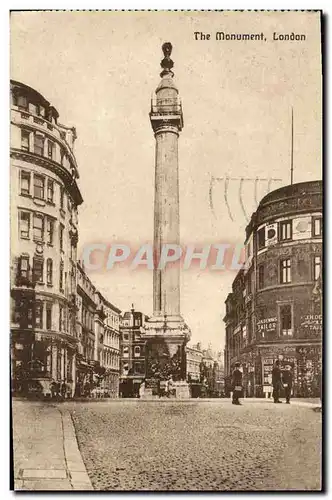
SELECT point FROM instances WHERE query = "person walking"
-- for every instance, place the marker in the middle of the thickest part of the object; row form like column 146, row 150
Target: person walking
column 287, row 379
column 276, row 382
column 236, row 384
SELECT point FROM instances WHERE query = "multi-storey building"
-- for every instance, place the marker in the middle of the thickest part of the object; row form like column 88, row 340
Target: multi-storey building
column 132, row 361
column 275, row 308
column 205, row 371
column 99, row 339
column 194, row 357
column 111, row 360
column 44, row 201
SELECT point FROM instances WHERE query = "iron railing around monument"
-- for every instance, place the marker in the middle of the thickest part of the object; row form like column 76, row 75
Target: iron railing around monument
column 166, row 106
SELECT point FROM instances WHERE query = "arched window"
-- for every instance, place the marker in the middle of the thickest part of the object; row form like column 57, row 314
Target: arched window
column 126, row 352
column 137, row 351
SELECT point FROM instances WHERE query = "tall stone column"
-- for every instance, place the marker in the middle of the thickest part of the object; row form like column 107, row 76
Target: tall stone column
column 166, row 333
column 166, row 282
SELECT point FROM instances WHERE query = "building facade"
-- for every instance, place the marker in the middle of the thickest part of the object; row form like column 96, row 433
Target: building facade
column 44, row 203
column 194, row 357
column 132, row 363
column 98, row 323
column 205, row 371
column 275, row 308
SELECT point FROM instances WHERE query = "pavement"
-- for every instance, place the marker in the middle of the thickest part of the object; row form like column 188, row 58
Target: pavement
column 167, row 445
column 45, row 451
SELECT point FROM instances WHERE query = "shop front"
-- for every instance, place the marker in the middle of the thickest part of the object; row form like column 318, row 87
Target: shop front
column 305, row 363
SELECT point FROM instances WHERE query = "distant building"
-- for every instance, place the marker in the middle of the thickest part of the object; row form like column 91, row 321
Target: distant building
column 194, row 356
column 98, row 359
column 132, row 363
column 206, row 368
column 275, row 308
column 43, row 205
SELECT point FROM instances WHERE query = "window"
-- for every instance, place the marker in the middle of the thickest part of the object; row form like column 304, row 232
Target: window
column 285, row 230
column 25, row 182
column 24, row 266
column 49, row 271
column 38, row 227
column 61, row 237
column 137, row 351
column 38, row 270
column 41, row 111
column 261, row 238
column 64, row 319
column 138, row 368
column 285, row 271
column 48, row 316
column 38, row 186
column 317, row 266
column 60, row 318
column 50, row 190
column 50, row 231
column 72, row 250
column 62, row 155
column 125, row 368
column 285, row 312
column 39, row 144
column 25, row 140
column 61, row 276
column 125, row 336
column 39, row 315
column 137, row 322
column 62, row 195
column 249, row 283
column 50, row 149
column 33, row 108
column 126, row 352
column 24, row 225
column 260, row 277
column 317, row 227
column 22, row 102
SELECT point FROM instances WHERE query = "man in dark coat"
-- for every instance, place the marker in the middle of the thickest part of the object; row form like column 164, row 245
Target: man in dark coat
column 236, row 384
column 276, row 382
column 287, row 379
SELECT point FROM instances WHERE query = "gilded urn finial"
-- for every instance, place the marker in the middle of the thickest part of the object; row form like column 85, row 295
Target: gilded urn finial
column 167, row 63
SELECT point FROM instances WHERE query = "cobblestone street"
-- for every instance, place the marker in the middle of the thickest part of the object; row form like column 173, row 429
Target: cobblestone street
column 164, row 445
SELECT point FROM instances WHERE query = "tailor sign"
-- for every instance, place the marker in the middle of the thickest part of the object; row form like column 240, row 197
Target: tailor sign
column 267, row 324
column 312, row 322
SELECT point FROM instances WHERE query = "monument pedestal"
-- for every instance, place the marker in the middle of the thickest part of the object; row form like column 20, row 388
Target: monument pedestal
column 182, row 390
column 165, row 356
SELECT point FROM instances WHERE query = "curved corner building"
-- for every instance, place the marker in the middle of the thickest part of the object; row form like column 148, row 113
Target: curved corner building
column 275, row 308
column 44, row 201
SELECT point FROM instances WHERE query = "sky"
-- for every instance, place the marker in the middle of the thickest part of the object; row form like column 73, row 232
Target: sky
column 100, row 69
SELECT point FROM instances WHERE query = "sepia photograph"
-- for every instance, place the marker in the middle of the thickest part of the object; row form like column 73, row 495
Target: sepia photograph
column 166, row 250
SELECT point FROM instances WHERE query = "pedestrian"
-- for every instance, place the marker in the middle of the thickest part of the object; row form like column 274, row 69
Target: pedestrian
column 236, row 384
column 171, row 391
column 53, row 388
column 141, row 389
column 276, row 382
column 63, row 390
column 287, row 379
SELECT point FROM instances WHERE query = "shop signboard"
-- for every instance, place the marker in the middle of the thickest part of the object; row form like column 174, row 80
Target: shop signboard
column 267, row 325
column 312, row 322
column 267, row 370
